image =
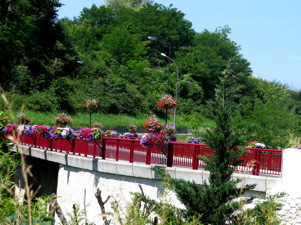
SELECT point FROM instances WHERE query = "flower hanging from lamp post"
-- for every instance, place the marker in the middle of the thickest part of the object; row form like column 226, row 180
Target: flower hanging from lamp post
column 168, row 104
column 169, row 59
column 90, row 104
column 177, row 81
column 62, row 120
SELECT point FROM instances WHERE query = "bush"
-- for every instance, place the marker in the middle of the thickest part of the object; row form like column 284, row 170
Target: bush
column 43, row 101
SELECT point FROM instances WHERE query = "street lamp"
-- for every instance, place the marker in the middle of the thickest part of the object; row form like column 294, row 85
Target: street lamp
column 81, row 62
column 175, row 111
column 169, row 51
column 92, row 86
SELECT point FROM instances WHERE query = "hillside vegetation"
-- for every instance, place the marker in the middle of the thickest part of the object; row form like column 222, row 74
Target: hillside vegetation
column 51, row 66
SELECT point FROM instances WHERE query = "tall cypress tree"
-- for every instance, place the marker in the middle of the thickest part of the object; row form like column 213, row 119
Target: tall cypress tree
column 213, row 199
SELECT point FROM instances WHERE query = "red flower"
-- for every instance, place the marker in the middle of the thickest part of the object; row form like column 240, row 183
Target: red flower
column 167, row 103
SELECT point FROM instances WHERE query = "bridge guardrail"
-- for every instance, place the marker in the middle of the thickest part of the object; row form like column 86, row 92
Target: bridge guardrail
column 257, row 161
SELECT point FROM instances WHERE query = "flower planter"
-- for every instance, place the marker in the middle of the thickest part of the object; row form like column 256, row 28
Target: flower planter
column 80, row 147
column 63, row 145
column 97, row 148
column 42, row 142
column 27, row 140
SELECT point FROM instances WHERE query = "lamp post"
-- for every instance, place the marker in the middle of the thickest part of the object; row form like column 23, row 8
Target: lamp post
column 169, row 51
column 175, row 111
column 168, row 80
column 92, row 87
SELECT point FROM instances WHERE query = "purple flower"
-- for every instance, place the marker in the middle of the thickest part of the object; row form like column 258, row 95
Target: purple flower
column 62, row 132
column 193, row 140
column 29, row 130
column 172, row 137
column 10, row 128
column 130, row 135
column 90, row 134
column 146, row 140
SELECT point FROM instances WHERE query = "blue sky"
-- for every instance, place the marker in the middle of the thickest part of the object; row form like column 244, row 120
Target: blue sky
column 268, row 31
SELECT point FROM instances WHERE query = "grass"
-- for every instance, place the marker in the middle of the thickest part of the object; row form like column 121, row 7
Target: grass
column 113, row 120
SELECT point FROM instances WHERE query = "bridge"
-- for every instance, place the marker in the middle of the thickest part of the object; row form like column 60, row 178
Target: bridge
column 76, row 169
column 256, row 161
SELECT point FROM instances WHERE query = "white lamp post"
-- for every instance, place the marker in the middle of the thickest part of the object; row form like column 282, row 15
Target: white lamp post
column 175, row 111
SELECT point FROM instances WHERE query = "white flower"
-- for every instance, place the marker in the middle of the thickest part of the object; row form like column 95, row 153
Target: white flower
column 259, row 145
column 21, row 128
column 65, row 132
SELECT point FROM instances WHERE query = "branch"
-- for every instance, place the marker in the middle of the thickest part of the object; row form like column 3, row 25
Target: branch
column 102, row 205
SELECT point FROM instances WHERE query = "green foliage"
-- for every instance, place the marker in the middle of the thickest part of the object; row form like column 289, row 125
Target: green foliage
column 269, row 119
column 121, row 4
column 33, row 48
column 4, row 119
column 206, row 58
column 144, row 210
column 12, row 211
column 213, row 200
column 78, row 216
column 61, row 89
column 42, row 101
column 8, row 163
column 124, row 47
column 124, row 71
column 263, row 213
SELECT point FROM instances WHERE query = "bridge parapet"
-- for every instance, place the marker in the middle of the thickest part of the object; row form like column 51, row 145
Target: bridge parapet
column 79, row 177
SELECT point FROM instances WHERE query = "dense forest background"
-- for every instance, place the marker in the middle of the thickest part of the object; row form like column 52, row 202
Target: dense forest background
column 53, row 65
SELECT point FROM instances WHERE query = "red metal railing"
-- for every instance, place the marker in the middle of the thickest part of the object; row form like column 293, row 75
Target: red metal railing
column 256, row 161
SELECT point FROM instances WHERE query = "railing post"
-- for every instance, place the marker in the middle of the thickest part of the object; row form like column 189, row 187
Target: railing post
column 72, row 145
column 195, row 160
column 103, row 146
column 170, row 147
column 34, row 140
column 50, row 143
column 117, row 150
column 131, row 159
column 256, row 163
column 148, row 155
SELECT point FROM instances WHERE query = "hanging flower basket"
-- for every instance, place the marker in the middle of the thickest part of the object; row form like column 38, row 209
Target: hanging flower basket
column 132, row 128
column 152, row 125
column 23, row 119
column 97, row 125
column 91, row 104
column 62, row 120
column 167, row 103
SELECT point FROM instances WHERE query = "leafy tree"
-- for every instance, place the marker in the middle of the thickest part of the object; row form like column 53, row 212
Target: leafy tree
column 205, row 57
column 213, row 200
column 267, row 117
column 33, row 47
column 191, row 94
column 121, row 4
column 125, row 48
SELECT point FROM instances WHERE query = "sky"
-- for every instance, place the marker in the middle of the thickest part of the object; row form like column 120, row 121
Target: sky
column 267, row 31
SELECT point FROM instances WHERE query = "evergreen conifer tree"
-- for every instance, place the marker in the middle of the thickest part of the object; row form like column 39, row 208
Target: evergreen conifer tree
column 213, row 199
